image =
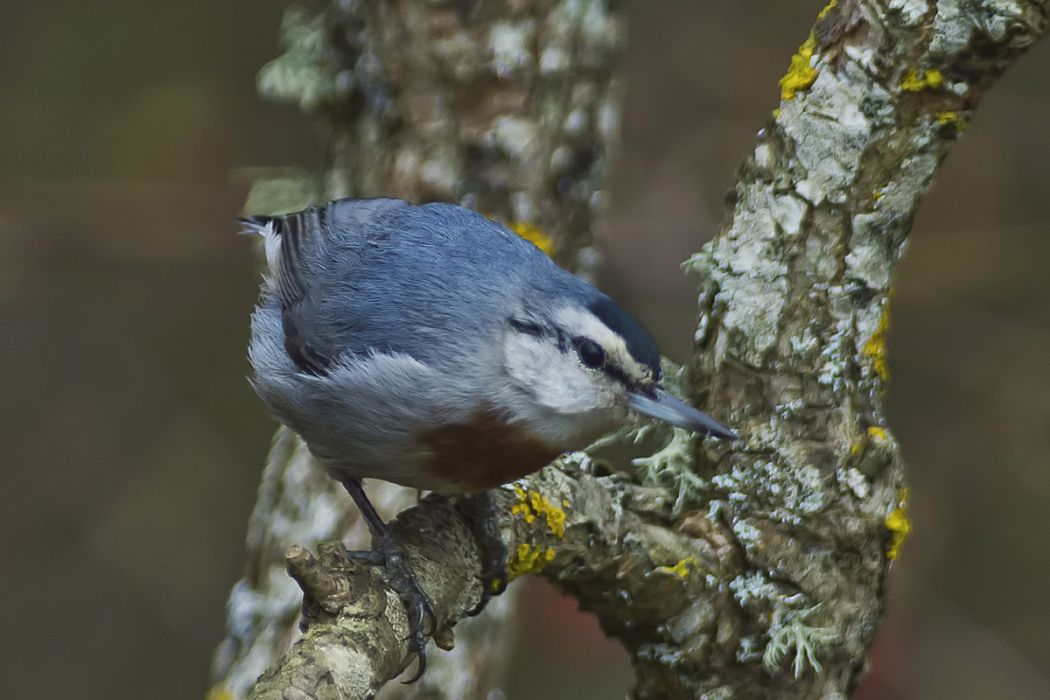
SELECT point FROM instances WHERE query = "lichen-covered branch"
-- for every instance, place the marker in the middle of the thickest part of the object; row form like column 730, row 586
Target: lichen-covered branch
column 755, row 569
column 357, row 634
column 793, row 316
column 508, row 107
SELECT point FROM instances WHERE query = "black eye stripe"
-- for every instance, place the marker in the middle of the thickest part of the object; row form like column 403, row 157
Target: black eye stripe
column 527, row 327
column 565, row 344
column 618, row 374
column 540, row 331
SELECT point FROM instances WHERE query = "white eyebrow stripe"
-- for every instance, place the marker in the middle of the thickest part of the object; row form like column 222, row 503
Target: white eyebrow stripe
column 583, row 323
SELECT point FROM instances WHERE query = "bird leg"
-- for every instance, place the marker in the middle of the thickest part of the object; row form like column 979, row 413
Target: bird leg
column 479, row 511
column 386, row 552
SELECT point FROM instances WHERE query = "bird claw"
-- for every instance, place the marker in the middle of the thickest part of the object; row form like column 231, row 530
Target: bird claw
column 480, row 513
column 419, row 611
column 493, row 583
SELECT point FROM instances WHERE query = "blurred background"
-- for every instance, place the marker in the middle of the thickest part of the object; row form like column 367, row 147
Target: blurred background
column 136, row 444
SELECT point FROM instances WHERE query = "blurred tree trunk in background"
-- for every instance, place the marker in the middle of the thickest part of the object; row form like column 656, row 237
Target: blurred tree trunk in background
column 753, row 569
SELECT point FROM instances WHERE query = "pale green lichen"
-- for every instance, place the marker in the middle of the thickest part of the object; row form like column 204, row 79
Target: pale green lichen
column 832, row 132
column 755, row 290
column 792, row 488
column 869, row 259
column 747, row 534
column 511, row 46
column 854, row 480
column 303, row 74
column 515, row 136
column 671, row 467
column 289, row 192
column 754, row 588
column 629, row 435
column 956, row 21
column 790, row 634
column 911, row 10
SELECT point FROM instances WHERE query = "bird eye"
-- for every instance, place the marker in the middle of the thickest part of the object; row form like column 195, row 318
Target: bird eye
column 591, row 354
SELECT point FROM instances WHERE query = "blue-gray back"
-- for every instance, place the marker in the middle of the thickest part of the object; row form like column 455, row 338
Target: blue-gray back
column 389, row 276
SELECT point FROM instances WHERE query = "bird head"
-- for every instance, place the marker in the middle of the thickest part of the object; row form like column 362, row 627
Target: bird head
column 587, row 367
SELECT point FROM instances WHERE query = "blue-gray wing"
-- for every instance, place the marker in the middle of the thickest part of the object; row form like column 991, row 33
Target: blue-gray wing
column 298, row 252
column 360, row 276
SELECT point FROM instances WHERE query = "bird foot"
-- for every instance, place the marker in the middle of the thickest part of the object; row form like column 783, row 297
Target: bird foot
column 422, row 621
column 480, row 513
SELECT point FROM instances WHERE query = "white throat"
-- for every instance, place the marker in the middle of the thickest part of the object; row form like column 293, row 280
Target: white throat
column 549, row 390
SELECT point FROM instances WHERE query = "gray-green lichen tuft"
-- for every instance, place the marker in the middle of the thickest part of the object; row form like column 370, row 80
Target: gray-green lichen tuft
column 305, row 74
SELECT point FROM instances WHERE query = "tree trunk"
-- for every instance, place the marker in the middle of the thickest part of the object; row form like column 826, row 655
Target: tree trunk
column 753, row 569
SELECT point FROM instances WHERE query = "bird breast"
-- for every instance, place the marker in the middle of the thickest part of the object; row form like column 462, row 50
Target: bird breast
column 483, row 452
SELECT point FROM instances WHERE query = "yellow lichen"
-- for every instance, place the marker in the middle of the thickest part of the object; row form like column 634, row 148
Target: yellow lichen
column 532, row 505
column 875, row 434
column 682, row 569
column 533, row 234
column 801, row 73
column 952, row 120
column 917, row 81
column 219, row 693
column 899, row 525
column 522, row 506
column 528, row 559
column 827, row 10
column 875, row 347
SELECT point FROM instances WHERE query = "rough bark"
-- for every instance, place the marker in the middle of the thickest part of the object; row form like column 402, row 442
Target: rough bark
column 299, row 504
column 507, row 107
column 754, row 569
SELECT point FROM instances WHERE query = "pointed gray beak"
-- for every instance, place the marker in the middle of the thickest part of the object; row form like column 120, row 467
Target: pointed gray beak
column 665, row 407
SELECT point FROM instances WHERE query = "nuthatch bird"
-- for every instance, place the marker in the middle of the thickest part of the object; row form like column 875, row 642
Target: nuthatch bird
column 432, row 347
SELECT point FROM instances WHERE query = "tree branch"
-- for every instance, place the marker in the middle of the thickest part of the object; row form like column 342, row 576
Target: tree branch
column 791, row 335
column 755, row 569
